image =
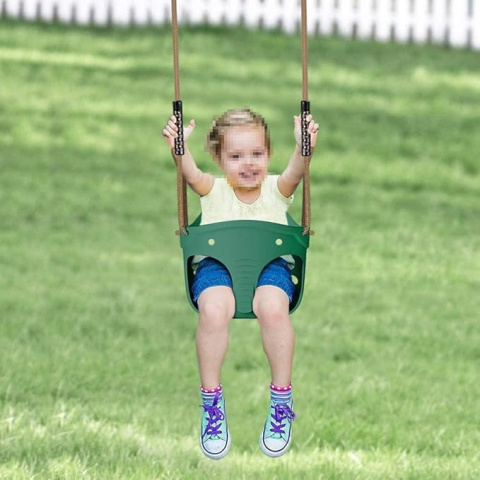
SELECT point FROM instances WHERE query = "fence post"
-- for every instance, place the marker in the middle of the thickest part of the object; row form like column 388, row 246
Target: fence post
column 12, row 8
column 215, row 12
column 252, row 13
column 312, row 17
column 365, row 19
column 65, row 11
column 271, row 14
column 383, row 20
column 46, row 10
column 402, row 22
column 476, row 25
column 83, row 12
column 459, row 24
column 158, row 11
column 233, row 12
column 30, row 9
column 420, row 23
column 346, row 18
column 100, row 12
column 121, row 12
column 140, row 12
column 197, row 12
column 439, row 21
column 290, row 16
column 327, row 18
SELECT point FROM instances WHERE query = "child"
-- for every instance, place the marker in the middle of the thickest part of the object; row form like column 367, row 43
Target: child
column 239, row 142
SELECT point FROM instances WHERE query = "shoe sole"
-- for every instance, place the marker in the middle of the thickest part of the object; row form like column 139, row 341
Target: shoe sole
column 220, row 455
column 270, row 453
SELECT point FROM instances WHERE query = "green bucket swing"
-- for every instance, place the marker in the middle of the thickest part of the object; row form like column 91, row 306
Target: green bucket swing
column 245, row 247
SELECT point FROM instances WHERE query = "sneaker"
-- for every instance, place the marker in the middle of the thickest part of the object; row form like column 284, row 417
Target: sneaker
column 214, row 435
column 277, row 433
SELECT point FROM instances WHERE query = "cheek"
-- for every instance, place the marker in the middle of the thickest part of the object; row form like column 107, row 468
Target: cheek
column 232, row 168
column 264, row 163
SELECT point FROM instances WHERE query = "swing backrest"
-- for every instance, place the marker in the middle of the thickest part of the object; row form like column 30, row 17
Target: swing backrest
column 245, row 247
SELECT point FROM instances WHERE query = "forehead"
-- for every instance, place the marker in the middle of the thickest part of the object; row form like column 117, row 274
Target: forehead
column 244, row 137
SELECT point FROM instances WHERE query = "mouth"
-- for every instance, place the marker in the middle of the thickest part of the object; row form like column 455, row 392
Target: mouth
column 249, row 176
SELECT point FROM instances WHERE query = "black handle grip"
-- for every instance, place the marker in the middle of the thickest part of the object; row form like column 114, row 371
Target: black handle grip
column 179, row 148
column 305, row 111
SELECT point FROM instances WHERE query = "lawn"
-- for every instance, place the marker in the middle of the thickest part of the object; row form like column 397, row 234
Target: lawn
column 98, row 374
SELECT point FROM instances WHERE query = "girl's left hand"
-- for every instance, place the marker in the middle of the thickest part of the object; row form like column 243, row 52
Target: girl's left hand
column 312, row 130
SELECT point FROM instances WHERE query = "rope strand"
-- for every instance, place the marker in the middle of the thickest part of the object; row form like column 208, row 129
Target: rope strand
column 176, row 68
column 182, row 207
column 304, row 52
column 306, row 207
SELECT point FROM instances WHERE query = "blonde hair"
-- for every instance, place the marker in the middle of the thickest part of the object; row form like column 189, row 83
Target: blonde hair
column 234, row 118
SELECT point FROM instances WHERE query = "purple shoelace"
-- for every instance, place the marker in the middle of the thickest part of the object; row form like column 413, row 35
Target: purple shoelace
column 215, row 415
column 282, row 412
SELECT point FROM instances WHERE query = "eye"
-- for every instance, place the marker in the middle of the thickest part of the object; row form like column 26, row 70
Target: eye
column 257, row 153
column 235, row 156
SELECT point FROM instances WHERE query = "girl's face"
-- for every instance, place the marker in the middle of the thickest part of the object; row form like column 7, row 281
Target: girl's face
column 244, row 157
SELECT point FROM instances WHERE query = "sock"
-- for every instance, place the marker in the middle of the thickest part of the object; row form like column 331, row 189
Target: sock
column 281, row 394
column 208, row 395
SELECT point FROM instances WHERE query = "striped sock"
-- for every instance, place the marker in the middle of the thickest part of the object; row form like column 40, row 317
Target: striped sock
column 280, row 394
column 208, row 395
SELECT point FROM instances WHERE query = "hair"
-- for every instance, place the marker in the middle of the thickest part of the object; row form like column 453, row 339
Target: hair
column 234, row 118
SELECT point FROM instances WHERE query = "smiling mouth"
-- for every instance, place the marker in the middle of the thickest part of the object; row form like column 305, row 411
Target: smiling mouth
column 249, row 175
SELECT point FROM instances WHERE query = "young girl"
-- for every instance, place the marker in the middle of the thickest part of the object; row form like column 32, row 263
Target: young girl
column 240, row 144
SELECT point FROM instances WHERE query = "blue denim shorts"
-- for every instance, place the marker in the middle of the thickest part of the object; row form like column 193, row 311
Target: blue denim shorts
column 212, row 273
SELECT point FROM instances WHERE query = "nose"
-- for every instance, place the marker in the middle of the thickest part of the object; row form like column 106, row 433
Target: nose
column 250, row 160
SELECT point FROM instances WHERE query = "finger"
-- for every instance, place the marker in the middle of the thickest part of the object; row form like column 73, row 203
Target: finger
column 313, row 127
column 171, row 128
column 172, row 125
column 170, row 131
column 173, row 118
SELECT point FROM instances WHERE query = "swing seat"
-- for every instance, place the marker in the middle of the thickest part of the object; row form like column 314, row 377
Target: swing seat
column 245, row 247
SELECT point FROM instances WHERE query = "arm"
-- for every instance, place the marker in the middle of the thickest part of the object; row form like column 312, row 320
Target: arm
column 200, row 182
column 289, row 180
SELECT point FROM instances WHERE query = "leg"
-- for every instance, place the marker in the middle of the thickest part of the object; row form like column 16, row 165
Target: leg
column 271, row 306
column 216, row 307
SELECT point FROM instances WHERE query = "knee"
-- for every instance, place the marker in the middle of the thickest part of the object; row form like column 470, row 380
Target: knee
column 215, row 314
column 270, row 312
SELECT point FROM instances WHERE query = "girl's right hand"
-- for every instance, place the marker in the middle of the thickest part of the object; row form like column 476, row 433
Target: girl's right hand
column 170, row 131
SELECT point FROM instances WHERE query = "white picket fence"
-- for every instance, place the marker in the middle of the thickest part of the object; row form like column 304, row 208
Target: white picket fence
column 450, row 22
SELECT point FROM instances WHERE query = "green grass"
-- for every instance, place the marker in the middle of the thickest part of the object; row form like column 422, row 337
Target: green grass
column 98, row 373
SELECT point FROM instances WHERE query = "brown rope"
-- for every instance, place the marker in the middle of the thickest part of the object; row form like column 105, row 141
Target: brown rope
column 182, row 206
column 304, row 52
column 176, row 69
column 306, row 207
